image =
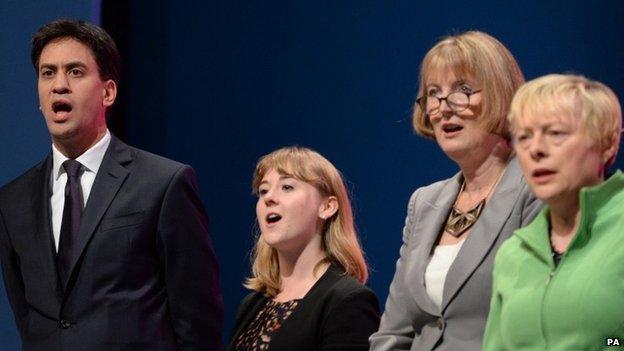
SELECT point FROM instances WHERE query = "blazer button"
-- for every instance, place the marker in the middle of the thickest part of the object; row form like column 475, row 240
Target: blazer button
column 439, row 323
column 65, row 324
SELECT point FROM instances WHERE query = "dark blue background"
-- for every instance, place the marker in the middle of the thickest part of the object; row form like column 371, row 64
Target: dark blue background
column 221, row 83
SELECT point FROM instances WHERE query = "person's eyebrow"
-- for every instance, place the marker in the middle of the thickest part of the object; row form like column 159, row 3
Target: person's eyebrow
column 74, row 64
column 68, row 66
column 47, row 66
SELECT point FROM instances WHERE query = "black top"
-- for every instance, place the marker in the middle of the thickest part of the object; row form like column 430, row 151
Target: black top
column 338, row 313
column 556, row 255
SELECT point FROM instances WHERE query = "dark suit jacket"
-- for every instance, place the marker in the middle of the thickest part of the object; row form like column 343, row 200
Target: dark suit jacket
column 411, row 320
column 338, row 313
column 144, row 274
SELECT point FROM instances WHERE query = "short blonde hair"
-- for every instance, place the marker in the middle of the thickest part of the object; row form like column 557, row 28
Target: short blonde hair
column 595, row 104
column 478, row 56
column 340, row 242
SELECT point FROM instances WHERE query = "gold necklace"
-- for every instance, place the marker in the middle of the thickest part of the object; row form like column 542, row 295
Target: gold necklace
column 458, row 222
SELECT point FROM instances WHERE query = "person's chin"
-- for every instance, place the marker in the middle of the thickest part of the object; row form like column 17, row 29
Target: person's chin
column 545, row 193
column 455, row 150
column 63, row 133
column 271, row 238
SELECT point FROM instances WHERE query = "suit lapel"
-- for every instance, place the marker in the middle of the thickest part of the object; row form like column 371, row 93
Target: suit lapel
column 484, row 233
column 44, row 240
column 435, row 214
column 108, row 180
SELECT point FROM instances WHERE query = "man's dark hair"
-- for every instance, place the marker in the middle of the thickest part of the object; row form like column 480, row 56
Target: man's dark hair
column 95, row 38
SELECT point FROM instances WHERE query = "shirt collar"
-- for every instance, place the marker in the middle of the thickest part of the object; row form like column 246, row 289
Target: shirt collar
column 90, row 159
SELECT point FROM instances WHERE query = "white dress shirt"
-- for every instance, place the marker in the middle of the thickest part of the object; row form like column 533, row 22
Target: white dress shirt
column 91, row 161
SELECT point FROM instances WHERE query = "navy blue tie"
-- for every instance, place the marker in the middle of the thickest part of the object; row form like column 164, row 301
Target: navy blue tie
column 72, row 213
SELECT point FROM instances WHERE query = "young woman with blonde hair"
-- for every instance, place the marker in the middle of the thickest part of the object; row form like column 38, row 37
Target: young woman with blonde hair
column 308, row 267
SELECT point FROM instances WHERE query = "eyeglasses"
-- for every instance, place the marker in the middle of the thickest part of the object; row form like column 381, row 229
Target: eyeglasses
column 457, row 101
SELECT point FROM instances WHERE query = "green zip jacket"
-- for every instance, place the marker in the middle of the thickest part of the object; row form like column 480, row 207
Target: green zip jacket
column 578, row 305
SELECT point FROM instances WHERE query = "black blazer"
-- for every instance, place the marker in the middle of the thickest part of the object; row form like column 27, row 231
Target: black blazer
column 144, row 275
column 338, row 313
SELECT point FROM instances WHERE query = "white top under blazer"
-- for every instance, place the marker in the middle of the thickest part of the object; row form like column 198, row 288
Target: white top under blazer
column 439, row 265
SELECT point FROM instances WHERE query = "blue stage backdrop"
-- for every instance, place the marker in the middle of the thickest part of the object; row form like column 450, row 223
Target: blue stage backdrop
column 218, row 84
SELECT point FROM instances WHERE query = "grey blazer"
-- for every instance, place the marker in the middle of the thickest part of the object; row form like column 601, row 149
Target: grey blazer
column 412, row 321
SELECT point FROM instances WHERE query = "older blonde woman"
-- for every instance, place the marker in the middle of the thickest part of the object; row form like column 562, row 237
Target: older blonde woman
column 308, row 269
column 559, row 282
column 439, row 297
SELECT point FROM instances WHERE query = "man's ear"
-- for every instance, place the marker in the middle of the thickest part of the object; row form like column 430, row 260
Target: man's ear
column 109, row 93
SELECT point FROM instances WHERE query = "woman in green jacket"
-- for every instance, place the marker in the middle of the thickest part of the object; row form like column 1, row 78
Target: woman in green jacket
column 559, row 282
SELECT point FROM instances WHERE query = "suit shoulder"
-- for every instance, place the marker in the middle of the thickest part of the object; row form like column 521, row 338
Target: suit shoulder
column 248, row 304
column 152, row 168
column 343, row 286
column 159, row 168
column 24, row 181
column 250, row 298
column 510, row 245
column 431, row 191
column 344, row 297
column 436, row 186
column 153, row 160
column 508, row 254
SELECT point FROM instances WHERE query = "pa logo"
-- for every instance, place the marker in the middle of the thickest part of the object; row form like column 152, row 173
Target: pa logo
column 613, row 342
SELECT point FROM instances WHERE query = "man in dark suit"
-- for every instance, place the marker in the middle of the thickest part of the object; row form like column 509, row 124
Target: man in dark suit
column 103, row 246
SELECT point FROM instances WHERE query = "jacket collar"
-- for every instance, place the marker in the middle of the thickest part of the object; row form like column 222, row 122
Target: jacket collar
column 483, row 235
column 111, row 175
column 594, row 202
column 485, row 231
